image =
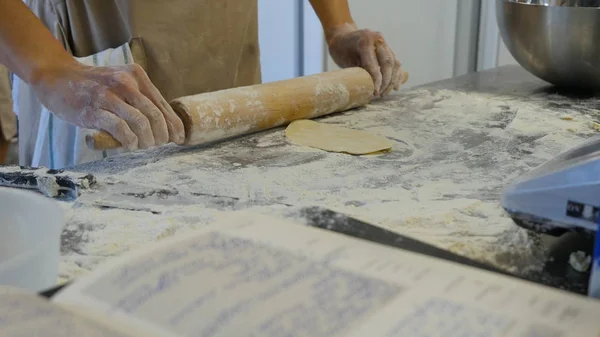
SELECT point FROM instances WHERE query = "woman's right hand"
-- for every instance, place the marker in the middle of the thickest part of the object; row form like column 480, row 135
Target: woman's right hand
column 120, row 100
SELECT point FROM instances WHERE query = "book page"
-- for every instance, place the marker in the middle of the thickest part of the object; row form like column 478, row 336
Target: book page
column 251, row 275
column 23, row 314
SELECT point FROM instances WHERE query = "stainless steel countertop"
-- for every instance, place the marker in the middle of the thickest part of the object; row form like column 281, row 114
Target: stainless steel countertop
column 145, row 196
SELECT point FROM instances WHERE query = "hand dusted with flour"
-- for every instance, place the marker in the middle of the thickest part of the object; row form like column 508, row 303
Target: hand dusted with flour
column 118, row 99
column 121, row 99
column 352, row 47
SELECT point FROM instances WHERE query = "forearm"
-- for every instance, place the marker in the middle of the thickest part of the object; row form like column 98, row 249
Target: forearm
column 333, row 14
column 27, row 47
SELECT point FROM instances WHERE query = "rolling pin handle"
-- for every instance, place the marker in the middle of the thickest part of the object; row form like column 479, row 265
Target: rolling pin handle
column 102, row 140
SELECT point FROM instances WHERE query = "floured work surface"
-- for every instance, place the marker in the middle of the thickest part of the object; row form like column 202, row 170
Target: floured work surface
column 454, row 152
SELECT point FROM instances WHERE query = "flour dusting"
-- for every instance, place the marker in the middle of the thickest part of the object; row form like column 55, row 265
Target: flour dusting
column 453, row 154
column 330, row 97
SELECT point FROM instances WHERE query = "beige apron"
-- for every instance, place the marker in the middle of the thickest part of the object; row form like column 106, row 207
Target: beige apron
column 8, row 120
column 186, row 46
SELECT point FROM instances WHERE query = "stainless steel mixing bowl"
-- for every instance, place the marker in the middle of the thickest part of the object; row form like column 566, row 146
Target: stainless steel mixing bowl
column 556, row 40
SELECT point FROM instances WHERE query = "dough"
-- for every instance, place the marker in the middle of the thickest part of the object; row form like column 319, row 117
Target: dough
column 334, row 138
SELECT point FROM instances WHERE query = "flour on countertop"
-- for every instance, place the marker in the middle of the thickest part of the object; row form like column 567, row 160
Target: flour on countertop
column 453, row 154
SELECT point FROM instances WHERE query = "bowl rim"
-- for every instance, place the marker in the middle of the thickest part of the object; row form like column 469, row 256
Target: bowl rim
column 521, row 2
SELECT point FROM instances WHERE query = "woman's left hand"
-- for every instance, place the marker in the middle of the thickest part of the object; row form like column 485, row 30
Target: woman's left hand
column 353, row 47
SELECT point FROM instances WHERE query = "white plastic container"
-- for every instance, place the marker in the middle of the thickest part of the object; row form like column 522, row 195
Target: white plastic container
column 30, row 229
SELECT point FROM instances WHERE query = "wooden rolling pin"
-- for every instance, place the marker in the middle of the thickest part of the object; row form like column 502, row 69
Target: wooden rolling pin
column 234, row 112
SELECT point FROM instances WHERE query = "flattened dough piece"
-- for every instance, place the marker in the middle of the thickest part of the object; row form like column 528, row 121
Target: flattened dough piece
column 333, row 138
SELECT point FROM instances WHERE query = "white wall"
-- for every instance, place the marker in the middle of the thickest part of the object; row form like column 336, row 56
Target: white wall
column 492, row 50
column 504, row 56
column 278, row 23
column 291, row 39
column 422, row 34
column 313, row 48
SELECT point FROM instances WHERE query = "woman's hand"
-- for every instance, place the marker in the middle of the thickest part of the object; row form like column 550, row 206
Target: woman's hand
column 120, row 100
column 352, row 47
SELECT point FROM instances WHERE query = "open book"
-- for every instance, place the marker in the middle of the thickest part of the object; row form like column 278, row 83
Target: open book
column 251, row 275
